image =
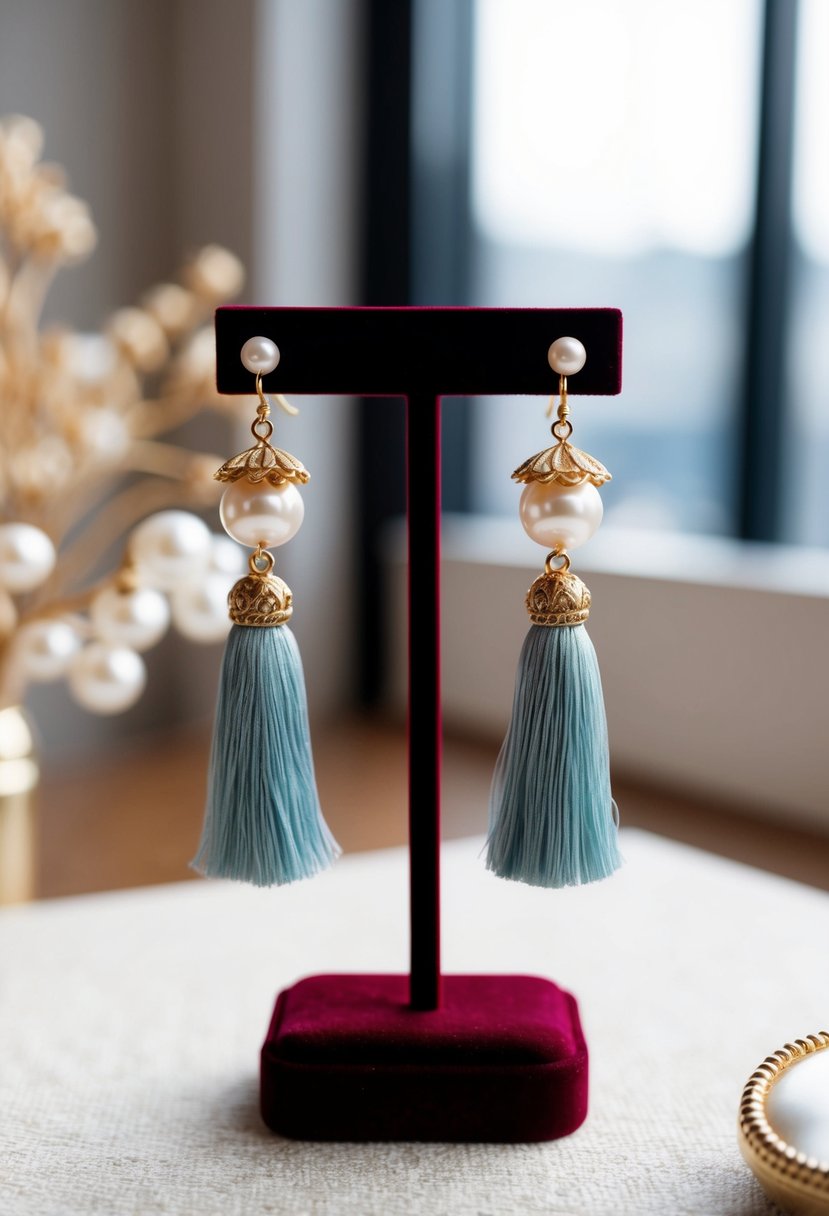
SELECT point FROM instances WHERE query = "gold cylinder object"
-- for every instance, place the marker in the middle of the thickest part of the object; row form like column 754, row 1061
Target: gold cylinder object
column 19, row 777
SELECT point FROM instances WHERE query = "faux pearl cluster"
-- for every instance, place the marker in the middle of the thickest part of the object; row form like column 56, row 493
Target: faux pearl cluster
column 98, row 416
column 182, row 572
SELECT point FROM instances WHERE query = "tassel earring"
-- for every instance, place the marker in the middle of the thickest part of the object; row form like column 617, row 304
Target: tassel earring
column 552, row 818
column 263, row 822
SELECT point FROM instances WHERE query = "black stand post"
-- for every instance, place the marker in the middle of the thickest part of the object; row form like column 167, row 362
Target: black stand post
column 425, row 717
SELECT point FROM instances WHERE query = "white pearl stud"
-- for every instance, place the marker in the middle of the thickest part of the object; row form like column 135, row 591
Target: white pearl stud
column 260, row 355
column 567, row 356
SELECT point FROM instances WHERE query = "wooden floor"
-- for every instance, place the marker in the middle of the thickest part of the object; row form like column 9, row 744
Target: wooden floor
column 135, row 819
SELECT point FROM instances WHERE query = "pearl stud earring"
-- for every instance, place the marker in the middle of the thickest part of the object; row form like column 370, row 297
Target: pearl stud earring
column 263, row 822
column 260, row 356
column 552, row 817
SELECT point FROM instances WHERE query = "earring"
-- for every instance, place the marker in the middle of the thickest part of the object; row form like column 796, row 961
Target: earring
column 553, row 821
column 263, row 822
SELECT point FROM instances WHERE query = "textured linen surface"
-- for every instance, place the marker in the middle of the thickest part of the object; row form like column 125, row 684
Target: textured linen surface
column 130, row 1027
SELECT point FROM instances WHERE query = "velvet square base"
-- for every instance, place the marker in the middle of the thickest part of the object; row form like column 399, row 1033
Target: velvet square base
column 502, row 1060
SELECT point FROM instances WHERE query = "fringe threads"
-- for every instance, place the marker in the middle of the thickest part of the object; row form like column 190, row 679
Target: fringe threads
column 552, row 818
column 263, row 823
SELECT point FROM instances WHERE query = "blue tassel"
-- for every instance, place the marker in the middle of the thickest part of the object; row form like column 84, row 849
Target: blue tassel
column 263, row 822
column 552, row 816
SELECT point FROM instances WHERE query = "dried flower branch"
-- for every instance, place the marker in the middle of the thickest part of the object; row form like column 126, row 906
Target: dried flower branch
column 78, row 414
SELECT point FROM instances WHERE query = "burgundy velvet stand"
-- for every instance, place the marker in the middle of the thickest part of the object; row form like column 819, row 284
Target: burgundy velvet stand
column 424, row 1056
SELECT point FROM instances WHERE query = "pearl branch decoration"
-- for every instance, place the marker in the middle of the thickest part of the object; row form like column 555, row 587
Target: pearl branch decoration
column 85, row 453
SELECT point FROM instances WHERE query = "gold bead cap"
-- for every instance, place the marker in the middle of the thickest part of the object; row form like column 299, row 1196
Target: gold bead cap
column 264, row 463
column 558, row 598
column 261, row 598
column 564, row 464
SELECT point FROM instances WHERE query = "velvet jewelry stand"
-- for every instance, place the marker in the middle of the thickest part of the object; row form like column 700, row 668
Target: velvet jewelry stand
column 425, row 1056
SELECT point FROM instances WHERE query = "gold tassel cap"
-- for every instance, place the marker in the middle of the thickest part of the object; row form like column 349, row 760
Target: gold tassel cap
column 558, row 597
column 261, row 598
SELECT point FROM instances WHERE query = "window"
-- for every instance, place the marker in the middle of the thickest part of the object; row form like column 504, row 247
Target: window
column 666, row 158
column 807, row 506
column 613, row 164
column 669, row 159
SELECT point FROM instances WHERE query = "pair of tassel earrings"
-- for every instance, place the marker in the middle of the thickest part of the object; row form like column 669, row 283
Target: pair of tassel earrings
column 552, row 816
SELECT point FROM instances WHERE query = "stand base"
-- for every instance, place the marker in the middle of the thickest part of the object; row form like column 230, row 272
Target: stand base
column 502, row 1060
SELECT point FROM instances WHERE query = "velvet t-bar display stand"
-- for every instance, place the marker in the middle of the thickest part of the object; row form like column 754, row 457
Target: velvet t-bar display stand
column 428, row 1056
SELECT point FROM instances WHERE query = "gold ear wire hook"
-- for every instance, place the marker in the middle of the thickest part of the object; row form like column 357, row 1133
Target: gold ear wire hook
column 264, row 402
column 563, row 407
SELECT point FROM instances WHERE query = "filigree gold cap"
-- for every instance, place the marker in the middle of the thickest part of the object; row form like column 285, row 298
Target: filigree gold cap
column 558, row 598
column 261, row 597
column 264, row 463
column 562, row 463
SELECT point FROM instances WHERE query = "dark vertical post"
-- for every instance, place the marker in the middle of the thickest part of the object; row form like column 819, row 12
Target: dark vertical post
column 385, row 280
column 425, row 719
column 761, row 472
column 441, row 139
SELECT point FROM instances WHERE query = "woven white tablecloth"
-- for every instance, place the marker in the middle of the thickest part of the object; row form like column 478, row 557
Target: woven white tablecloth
column 130, row 1026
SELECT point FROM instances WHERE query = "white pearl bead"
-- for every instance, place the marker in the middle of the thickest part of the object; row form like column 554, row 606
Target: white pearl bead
column 567, row 356
column 104, row 434
column 171, row 546
column 200, row 609
column 136, row 618
column 261, row 514
column 260, row 355
column 107, row 679
column 557, row 516
column 226, row 557
column 27, row 557
column 798, row 1105
column 46, row 648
